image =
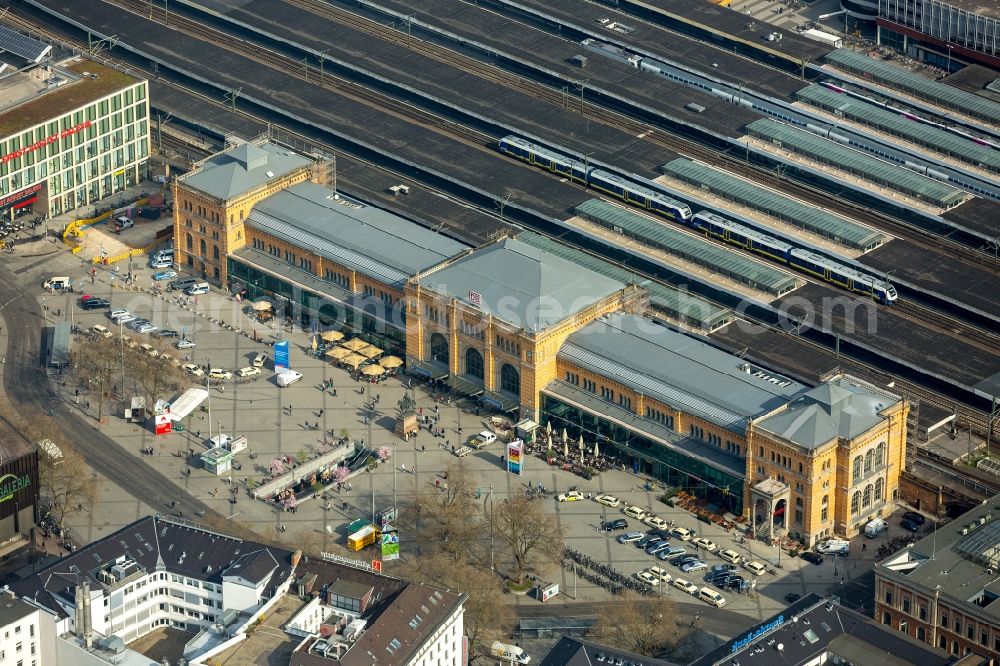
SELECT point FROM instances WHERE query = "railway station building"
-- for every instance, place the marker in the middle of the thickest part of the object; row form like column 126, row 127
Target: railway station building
column 72, row 131
column 524, row 329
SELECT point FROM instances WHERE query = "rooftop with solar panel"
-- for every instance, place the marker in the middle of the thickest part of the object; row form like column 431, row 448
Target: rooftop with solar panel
column 38, row 83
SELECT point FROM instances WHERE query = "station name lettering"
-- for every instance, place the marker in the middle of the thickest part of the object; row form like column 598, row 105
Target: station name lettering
column 758, row 632
column 46, row 141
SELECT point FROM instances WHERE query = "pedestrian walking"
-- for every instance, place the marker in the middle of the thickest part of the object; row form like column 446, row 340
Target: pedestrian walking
column 864, row 547
column 422, row 448
column 321, row 413
column 334, row 391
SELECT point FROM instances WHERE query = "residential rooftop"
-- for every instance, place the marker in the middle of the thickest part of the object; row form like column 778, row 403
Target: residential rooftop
column 843, row 407
column 814, row 630
column 961, row 558
column 13, row 609
column 678, row 370
column 243, row 168
column 521, row 285
column 370, row 240
column 571, row 651
column 34, row 96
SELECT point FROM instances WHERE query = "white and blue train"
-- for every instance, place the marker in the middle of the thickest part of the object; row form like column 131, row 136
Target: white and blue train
column 645, row 194
column 798, row 258
column 634, row 190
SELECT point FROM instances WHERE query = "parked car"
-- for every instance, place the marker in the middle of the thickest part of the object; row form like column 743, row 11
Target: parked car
column 219, row 373
column 103, row 331
column 136, row 323
column 148, row 348
column 634, row 512
column 755, row 567
column 682, row 533
column 193, row 370
column 914, row 517
column 163, row 262
column 833, row 547
column 811, row 557
column 730, row 556
column 167, row 333
column 288, row 377
column 197, row 289
column 648, row 578
column 248, row 371
column 686, row 586
column 571, row 496
column 608, row 500
column 616, row 524
column 657, row 548
column 115, row 314
column 657, row 522
column 184, row 343
column 724, row 568
column 710, row 596
column 93, row 303
column 649, row 540
column 661, row 574
column 630, row 537
column 164, row 275
column 875, row 527
column 183, row 283
column 258, row 360
column 909, row 525
column 697, row 565
column 705, row 544
column 146, row 328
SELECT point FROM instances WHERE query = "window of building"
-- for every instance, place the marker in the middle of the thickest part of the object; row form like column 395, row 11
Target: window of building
column 474, row 363
column 904, row 626
column 984, row 638
column 880, row 454
column 944, row 621
column 888, row 597
column 879, row 489
column 625, row 401
column 510, row 379
column 855, row 502
column 858, row 462
column 970, row 631
column 942, row 642
column 906, row 605
column 204, row 247
column 921, row 634
column 886, row 619
column 867, row 498
column 869, row 461
column 589, row 385
column 215, row 252
column 922, row 612
column 607, row 394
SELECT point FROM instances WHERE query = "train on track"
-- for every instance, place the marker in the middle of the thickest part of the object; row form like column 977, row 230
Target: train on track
column 646, row 194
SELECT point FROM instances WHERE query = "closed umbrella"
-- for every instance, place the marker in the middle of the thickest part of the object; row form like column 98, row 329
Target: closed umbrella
column 373, row 370
column 353, row 360
column 596, row 451
column 581, row 441
column 314, row 343
column 338, row 352
column 581, row 456
column 566, row 448
column 548, row 428
column 332, row 336
column 391, row 362
column 354, row 344
column 565, row 436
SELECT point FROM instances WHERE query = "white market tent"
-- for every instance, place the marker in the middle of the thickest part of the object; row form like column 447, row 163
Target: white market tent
column 187, row 403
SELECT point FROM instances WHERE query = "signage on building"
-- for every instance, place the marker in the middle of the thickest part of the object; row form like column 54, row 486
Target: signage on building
column 23, row 194
column 476, row 298
column 757, row 633
column 515, row 457
column 367, row 565
column 11, row 484
column 46, row 141
column 281, row 356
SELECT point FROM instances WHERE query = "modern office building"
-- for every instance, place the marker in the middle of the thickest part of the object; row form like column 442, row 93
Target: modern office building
column 941, row 590
column 18, row 490
column 815, row 631
column 530, row 333
column 72, row 131
column 944, row 33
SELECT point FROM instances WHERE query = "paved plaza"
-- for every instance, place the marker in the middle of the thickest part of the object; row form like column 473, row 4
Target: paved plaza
column 274, row 420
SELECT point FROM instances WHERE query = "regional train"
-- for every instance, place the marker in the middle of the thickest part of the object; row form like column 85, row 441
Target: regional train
column 646, row 194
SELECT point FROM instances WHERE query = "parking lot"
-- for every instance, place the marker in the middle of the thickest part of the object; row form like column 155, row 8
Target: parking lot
column 276, row 422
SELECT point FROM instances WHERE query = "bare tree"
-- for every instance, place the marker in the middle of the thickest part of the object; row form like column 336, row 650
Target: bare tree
column 447, row 515
column 98, row 363
column 530, row 533
column 155, row 374
column 645, row 626
column 66, row 482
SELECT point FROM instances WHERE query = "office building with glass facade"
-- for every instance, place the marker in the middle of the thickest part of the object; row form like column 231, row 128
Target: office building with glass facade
column 71, row 134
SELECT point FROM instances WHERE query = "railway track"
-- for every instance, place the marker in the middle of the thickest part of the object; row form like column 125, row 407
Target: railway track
column 290, row 67
column 972, row 418
column 977, row 337
column 814, row 196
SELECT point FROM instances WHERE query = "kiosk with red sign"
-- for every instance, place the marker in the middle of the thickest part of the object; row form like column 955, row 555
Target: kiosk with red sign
column 161, row 417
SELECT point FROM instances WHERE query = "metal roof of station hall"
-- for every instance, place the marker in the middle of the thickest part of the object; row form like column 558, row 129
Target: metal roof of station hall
column 919, row 86
column 674, row 302
column 794, row 212
column 830, row 152
column 243, row 168
column 687, row 246
column 925, row 135
column 371, row 240
column 678, row 370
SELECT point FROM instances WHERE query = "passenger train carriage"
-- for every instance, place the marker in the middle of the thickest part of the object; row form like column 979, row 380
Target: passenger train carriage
column 646, row 194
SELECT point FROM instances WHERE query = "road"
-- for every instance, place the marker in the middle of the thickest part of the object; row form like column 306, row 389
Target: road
column 31, row 396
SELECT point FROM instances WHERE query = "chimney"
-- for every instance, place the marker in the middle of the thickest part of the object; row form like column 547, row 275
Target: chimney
column 88, row 629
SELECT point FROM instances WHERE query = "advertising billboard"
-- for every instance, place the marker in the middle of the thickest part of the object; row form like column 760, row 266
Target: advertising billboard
column 390, row 544
column 515, row 457
column 281, row 356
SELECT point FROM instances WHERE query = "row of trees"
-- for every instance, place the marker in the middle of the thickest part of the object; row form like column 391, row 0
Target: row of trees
column 102, row 364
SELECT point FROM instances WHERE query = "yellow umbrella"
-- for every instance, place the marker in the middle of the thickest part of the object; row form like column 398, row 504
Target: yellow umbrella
column 373, row 370
column 332, row 336
column 371, row 351
column 354, row 344
column 338, row 352
column 353, row 360
column 262, row 305
column 391, row 362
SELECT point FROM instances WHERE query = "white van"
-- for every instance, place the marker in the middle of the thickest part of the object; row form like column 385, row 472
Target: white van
column 755, row 567
column 710, row 596
column 56, row 283
column 288, row 377
column 197, row 289
column 634, row 512
column 730, row 556
column 833, row 547
column 875, row 527
column 101, row 330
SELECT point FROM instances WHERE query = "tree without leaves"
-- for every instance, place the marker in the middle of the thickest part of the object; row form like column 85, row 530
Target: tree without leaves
column 530, row 533
column 645, row 626
column 156, row 375
column 67, row 483
column 447, row 515
column 98, row 362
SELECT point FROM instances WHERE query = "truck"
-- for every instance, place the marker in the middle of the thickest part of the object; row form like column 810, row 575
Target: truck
column 482, row 440
column 511, row 653
column 361, row 533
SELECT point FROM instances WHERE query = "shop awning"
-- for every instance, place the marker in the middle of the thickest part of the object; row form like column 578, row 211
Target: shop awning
column 464, row 386
column 425, row 369
column 501, row 402
column 187, row 403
